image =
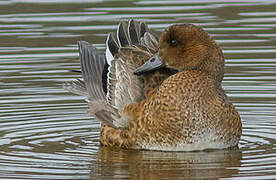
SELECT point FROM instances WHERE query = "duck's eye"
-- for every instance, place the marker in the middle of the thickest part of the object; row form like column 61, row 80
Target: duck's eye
column 173, row 42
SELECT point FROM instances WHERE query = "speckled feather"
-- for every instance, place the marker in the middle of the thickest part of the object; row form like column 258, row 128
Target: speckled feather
column 109, row 83
column 189, row 110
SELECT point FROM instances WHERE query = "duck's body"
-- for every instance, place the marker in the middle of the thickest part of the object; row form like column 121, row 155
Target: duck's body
column 191, row 114
column 169, row 111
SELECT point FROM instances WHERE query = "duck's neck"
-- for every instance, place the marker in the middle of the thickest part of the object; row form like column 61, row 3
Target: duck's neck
column 214, row 65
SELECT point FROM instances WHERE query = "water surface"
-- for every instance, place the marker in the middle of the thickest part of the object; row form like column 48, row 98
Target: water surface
column 45, row 132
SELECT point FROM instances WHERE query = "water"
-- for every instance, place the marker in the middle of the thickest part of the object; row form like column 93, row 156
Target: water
column 45, row 132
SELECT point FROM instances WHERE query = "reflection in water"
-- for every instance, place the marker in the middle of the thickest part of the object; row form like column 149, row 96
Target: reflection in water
column 173, row 165
column 46, row 132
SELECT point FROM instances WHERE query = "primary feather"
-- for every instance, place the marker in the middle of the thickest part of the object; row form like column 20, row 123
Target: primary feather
column 122, row 86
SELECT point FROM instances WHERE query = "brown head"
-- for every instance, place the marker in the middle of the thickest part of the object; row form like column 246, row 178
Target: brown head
column 187, row 47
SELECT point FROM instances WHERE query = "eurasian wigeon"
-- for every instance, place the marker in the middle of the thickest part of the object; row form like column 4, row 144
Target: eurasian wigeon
column 159, row 95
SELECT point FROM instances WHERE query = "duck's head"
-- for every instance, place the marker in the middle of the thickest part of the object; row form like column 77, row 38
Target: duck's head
column 186, row 47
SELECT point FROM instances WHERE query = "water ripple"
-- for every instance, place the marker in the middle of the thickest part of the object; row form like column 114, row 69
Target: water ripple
column 46, row 132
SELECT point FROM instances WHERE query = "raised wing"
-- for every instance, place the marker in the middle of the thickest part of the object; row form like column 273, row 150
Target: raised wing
column 92, row 66
column 108, row 92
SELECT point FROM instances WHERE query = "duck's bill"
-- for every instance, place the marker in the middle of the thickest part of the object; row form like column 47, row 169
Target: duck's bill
column 152, row 64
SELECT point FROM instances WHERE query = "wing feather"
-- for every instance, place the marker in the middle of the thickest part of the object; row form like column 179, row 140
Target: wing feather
column 121, row 87
column 92, row 65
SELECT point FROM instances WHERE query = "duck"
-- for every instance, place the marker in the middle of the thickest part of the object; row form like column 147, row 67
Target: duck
column 161, row 94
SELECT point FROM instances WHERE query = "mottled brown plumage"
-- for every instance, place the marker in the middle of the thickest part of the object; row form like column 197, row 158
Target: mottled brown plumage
column 175, row 104
column 189, row 110
column 138, row 55
column 108, row 82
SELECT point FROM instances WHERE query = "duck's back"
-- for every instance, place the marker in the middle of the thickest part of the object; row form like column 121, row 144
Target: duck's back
column 194, row 115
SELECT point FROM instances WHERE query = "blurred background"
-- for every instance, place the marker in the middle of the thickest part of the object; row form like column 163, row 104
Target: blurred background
column 45, row 132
